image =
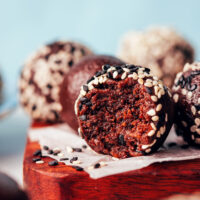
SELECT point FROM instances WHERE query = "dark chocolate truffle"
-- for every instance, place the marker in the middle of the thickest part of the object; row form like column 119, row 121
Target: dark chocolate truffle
column 73, row 81
column 162, row 49
column 9, row 189
column 125, row 112
column 186, row 96
column 42, row 75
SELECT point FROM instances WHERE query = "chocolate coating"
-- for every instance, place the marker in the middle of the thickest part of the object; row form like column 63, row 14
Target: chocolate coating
column 125, row 112
column 9, row 189
column 42, row 75
column 73, row 81
column 186, row 95
column 161, row 49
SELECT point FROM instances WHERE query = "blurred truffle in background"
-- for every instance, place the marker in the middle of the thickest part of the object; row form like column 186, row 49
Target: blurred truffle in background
column 161, row 49
column 42, row 75
column 9, row 189
column 78, row 76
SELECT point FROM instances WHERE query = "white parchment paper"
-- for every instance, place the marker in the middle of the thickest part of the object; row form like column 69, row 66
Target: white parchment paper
column 62, row 137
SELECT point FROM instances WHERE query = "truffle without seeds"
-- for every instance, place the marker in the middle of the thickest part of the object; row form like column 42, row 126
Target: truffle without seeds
column 42, row 75
column 161, row 49
column 73, row 81
column 130, row 111
column 186, row 96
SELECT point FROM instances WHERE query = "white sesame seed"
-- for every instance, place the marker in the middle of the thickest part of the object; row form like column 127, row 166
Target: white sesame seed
column 193, row 109
column 124, row 75
column 56, row 150
column 83, row 92
column 69, row 149
column 148, row 84
column 135, row 76
column 184, row 123
column 102, row 164
column 156, row 89
column 115, row 74
column 155, row 82
column 153, row 125
column 193, row 128
column 76, row 162
column 151, row 112
column 184, row 91
column 159, row 94
column 140, row 81
column 166, row 117
column 149, row 80
column 60, row 154
column 154, row 98
column 151, row 133
column 158, row 107
column 175, row 97
column 126, row 70
column 192, row 137
column 197, row 121
column 155, row 118
column 141, row 75
column 189, row 94
column 148, row 150
column 39, row 162
column 158, row 134
column 169, row 93
column 95, row 81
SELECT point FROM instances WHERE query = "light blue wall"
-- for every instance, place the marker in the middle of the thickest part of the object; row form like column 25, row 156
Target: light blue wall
column 26, row 24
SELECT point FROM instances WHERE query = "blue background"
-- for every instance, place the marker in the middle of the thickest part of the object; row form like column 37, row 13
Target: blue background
column 26, row 24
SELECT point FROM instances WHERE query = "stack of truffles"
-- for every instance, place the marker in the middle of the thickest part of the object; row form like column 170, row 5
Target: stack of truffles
column 121, row 108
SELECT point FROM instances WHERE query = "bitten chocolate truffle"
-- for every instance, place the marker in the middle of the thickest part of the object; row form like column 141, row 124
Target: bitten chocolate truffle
column 42, row 75
column 9, row 189
column 73, row 81
column 161, row 49
column 186, row 96
column 124, row 111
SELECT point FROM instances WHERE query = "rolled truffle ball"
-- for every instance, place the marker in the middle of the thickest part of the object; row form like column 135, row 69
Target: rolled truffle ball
column 186, row 96
column 42, row 75
column 124, row 111
column 73, row 81
column 9, row 189
column 161, row 49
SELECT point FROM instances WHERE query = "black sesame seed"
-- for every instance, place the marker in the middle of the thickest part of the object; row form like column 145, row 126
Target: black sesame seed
column 98, row 73
column 83, row 99
column 53, row 163
column 120, row 71
column 91, row 79
column 55, row 153
column 106, row 67
column 121, row 140
column 73, row 159
column 118, row 67
column 45, row 147
column 58, row 62
column 50, row 151
column 84, row 146
column 70, row 63
column 80, row 106
column 49, row 86
column 36, row 159
column 77, row 149
column 109, row 75
column 72, row 49
column 147, row 70
column 85, row 88
column 34, row 107
column 83, row 117
column 77, row 168
column 97, row 165
column 37, row 153
column 63, row 159
column 88, row 103
column 103, row 72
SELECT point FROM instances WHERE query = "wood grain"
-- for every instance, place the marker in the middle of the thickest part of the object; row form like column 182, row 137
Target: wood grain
column 62, row 182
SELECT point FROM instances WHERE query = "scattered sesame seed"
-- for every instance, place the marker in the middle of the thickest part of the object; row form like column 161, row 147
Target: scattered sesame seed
column 97, row 165
column 158, row 134
column 135, row 76
column 158, row 107
column 193, row 109
column 153, row 125
column 166, row 117
column 56, row 150
column 76, row 162
column 37, row 153
column 151, row 112
column 60, row 154
column 154, row 98
column 85, row 88
column 189, row 94
column 50, row 151
column 176, row 97
column 155, row 118
column 124, row 75
column 84, row 146
column 45, row 147
column 36, row 159
column 148, row 84
column 69, row 149
column 115, row 74
column 63, row 159
column 77, row 168
column 73, row 159
column 140, row 81
column 197, row 121
column 53, row 163
column 193, row 128
column 39, row 162
column 151, row 133
column 184, row 91
column 77, row 149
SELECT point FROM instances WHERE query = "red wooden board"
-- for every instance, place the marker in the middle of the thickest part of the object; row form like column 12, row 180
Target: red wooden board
column 62, row 182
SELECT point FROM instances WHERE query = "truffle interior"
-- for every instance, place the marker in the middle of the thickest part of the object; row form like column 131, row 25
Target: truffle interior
column 114, row 117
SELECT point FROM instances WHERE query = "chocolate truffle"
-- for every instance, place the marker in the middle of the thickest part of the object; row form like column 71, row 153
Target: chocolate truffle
column 42, row 75
column 186, row 96
column 161, row 49
column 9, row 189
column 73, row 81
column 124, row 111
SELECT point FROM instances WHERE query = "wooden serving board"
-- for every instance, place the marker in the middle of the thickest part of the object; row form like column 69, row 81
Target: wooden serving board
column 61, row 182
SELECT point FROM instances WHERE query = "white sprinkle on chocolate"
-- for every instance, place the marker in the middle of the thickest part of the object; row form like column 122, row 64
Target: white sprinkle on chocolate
column 175, row 97
column 115, row 74
column 39, row 162
column 124, row 75
column 151, row 133
column 153, row 125
column 154, row 98
column 155, row 118
column 158, row 107
column 197, row 121
column 193, row 109
column 148, row 84
column 140, row 81
column 151, row 112
column 135, row 76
